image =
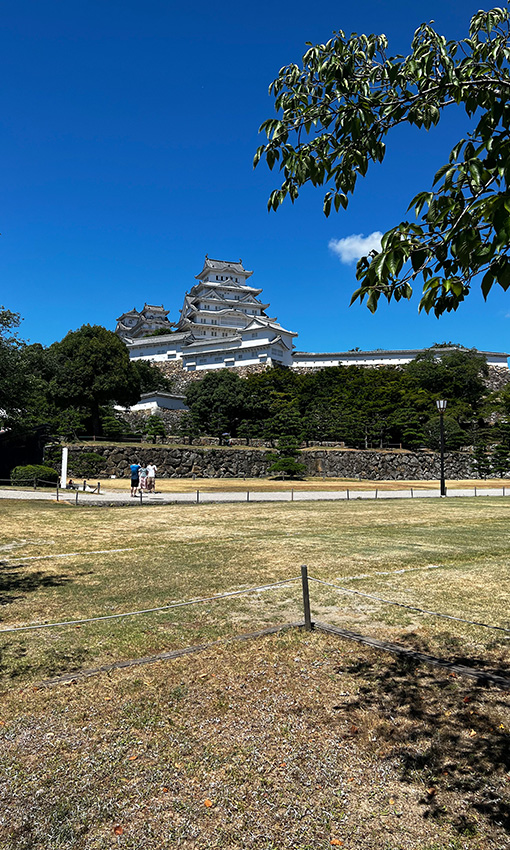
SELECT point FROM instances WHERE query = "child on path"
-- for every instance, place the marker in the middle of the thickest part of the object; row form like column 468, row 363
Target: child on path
column 142, row 473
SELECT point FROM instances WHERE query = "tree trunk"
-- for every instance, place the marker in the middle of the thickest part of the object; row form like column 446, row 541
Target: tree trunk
column 96, row 421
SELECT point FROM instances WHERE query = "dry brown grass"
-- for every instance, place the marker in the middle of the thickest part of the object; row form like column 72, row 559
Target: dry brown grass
column 293, row 741
column 214, row 485
column 62, row 563
column 297, row 739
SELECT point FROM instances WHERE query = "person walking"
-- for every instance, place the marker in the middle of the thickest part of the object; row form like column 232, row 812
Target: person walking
column 151, row 477
column 135, row 480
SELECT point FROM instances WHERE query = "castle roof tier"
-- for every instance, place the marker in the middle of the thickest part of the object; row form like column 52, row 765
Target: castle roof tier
column 136, row 324
column 223, row 270
column 153, row 310
column 222, row 302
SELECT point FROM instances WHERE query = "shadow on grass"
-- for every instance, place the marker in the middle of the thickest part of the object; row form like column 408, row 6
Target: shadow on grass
column 15, row 584
column 443, row 732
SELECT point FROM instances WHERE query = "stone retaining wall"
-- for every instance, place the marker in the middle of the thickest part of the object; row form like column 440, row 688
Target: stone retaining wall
column 221, row 462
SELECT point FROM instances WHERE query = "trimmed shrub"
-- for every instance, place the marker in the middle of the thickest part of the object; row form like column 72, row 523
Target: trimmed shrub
column 86, row 464
column 154, row 427
column 25, row 475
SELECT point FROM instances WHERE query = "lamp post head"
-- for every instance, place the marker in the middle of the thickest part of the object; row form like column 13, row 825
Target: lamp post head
column 441, row 405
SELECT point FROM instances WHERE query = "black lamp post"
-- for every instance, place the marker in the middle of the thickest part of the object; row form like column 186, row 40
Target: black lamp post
column 441, row 407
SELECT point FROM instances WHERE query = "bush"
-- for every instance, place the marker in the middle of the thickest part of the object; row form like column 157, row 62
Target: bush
column 25, row 475
column 86, row 464
column 154, row 427
column 284, row 461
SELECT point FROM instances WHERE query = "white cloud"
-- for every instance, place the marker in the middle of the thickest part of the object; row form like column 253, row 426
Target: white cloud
column 353, row 247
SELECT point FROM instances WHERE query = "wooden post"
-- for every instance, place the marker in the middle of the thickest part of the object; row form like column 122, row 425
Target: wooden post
column 347, row 494
column 141, row 499
column 57, row 491
column 306, row 599
column 84, row 486
column 376, row 492
column 475, row 491
column 35, row 482
column 292, row 494
column 411, row 492
column 77, row 496
column 198, row 497
column 98, row 487
column 247, row 495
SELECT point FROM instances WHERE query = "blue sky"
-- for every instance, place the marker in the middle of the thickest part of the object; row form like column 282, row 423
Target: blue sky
column 126, row 143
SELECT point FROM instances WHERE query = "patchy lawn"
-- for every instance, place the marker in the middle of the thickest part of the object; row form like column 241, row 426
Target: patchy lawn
column 292, row 741
column 58, row 563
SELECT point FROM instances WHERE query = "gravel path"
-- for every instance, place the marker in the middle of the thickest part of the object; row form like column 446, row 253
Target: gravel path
column 114, row 497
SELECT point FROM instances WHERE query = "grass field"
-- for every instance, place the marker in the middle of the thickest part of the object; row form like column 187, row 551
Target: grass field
column 297, row 740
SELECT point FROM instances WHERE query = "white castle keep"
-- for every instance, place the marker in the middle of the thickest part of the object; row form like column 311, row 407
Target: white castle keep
column 224, row 324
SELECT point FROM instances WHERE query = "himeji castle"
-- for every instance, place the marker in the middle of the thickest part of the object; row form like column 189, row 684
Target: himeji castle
column 223, row 323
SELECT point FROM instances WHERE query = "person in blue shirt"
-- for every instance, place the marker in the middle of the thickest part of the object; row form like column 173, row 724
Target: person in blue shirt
column 135, row 480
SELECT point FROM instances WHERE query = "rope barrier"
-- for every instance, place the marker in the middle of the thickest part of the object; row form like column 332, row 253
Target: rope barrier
column 24, row 482
column 232, row 593
column 409, row 607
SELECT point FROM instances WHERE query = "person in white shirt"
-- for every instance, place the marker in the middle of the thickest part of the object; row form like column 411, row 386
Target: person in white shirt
column 151, row 477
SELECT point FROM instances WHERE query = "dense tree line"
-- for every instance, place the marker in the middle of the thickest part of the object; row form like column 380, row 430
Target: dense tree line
column 359, row 406
column 71, row 386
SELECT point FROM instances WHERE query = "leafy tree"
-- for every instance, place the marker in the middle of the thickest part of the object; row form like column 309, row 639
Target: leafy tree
column 284, row 461
column 91, row 367
column 284, row 418
column 189, row 426
column 454, row 436
column 113, row 425
column 455, row 374
column 248, row 430
column 218, row 402
column 151, row 378
column 500, row 460
column 15, row 380
column 346, row 98
column 154, row 427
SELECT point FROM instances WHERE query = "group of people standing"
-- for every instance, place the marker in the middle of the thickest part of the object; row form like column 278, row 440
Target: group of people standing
column 143, row 478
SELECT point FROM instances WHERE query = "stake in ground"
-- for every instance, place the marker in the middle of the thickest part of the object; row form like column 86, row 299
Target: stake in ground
column 297, row 740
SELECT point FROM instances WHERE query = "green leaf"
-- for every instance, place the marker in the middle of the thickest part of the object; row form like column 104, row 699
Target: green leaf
column 487, row 282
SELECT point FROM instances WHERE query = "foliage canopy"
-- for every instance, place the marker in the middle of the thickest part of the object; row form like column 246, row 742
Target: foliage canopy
column 335, row 113
column 91, row 367
column 359, row 406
